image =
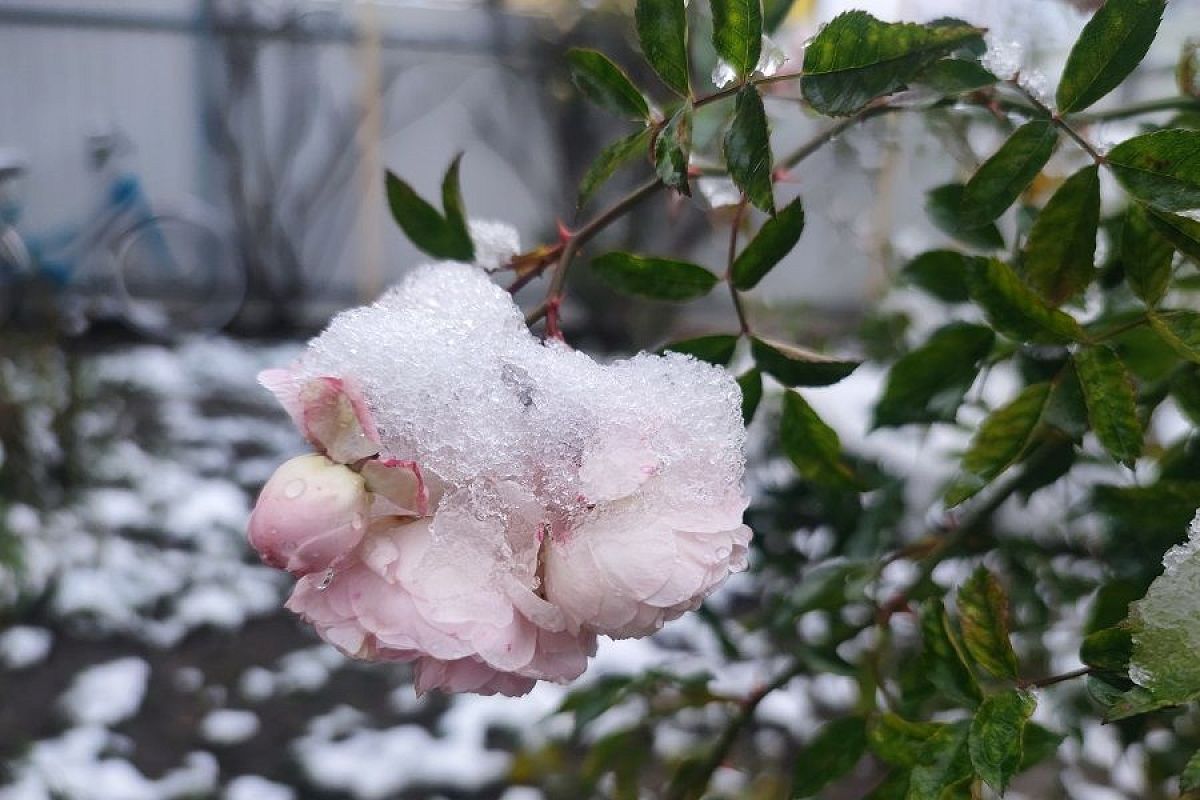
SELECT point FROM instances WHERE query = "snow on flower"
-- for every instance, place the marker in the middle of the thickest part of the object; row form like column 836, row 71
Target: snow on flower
column 483, row 504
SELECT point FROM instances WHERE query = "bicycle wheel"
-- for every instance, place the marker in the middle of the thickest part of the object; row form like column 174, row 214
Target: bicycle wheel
column 177, row 275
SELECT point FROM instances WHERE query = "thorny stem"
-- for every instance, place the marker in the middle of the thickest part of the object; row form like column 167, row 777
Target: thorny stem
column 743, row 322
column 1137, row 109
column 1042, row 683
column 1058, row 120
column 730, row 91
column 554, row 295
column 829, row 134
column 721, row 747
column 952, row 532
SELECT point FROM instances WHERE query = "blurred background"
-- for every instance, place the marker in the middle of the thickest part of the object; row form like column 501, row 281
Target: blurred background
column 143, row 651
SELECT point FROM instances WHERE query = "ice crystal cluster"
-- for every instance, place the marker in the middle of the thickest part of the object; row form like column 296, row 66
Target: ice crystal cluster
column 1166, row 626
column 484, row 504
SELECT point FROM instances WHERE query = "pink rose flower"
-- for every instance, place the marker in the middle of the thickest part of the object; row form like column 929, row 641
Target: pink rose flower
column 488, row 532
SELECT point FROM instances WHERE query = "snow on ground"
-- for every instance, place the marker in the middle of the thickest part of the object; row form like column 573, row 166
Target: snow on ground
column 107, row 693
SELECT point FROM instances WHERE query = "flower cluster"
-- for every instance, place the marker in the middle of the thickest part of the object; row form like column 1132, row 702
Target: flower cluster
column 484, row 505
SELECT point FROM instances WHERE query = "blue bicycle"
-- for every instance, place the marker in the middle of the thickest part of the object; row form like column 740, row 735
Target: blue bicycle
column 162, row 272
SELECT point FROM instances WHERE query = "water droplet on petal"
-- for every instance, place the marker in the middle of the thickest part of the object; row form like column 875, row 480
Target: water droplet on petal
column 294, row 488
column 326, row 579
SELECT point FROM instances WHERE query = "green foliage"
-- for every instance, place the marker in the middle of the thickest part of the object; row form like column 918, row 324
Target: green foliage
column 944, row 205
column 1060, row 254
column 1180, row 330
column 1112, row 44
column 439, row 236
column 955, row 76
column 1014, row 309
column 751, row 384
column 1145, row 254
column 662, row 31
column 655, row 278
column 737, row 33
column 943, row 660
column 833, row 752
column 795, row 366
column 941, row 273
column 857, row 58
column 997, row 736
column 1112, row 409
column 748, row 149
column 715, row 349
column 944, row 769
column 1182, row 232
column 812, row 445
column 673, row 149
column 1003, row 438
column 1000, row 180
column 606, row 85
column 928, row 384
column 1162, row 169
column 611, row 159
column 983, row 613
column 774, row 241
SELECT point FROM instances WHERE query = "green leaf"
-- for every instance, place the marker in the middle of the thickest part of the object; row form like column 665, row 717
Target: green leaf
column 856, row 58
column 775, row 12
column 1185, row 388
column 774, row 240
column 1005, row 436
column 673, row 150
column 752, row 391
column 456, row 216
column 998, row 734
column 424, row 225
column 1112, row 408
column 941, row 273
column 945, row 765
column 1061, row 251
column 748, row 149
column 737, row 33
column 610, row 160
column 829, row 586
column 589, row 702
column 833, row 752
column 795, row 366
column 1162, row 169
column 928, row 384
column 716, row 349
column 1180, row 330
column 662, row 30
column 956, row 76
column 1111, row 45
column 812, row 445
column 898, row 741
column 944, row 205
column 1183, row 233
column 1107, row 650
column 656, row 278
column 1189, row 781
column 1037, row 745
column 1014, row 309
column 942, row 659
column 1145, row 254
column 606, row 84
column 983, row 614
column 1000, row 180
